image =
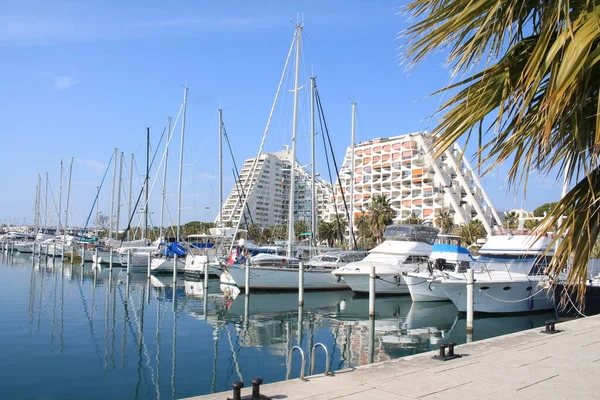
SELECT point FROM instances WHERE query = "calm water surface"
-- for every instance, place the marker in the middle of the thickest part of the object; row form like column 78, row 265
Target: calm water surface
column 71, row 332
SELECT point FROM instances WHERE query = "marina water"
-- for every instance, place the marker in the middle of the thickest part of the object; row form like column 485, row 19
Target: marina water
column 72, row 331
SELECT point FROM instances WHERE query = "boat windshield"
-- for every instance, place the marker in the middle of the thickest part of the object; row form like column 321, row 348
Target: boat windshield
column 520, row 264
column 413, row 233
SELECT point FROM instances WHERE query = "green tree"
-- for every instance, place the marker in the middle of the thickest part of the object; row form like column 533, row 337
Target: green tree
column 412, row 219
column 326, row 232
column 469, row 233
column 444, row 221
column 382, row 214
column 511, row 220
column 366, row 238
column 267, row 235
column 301, row 227
column 339, row 229
column 544, row 209
column 529, row 93
column 280, row 232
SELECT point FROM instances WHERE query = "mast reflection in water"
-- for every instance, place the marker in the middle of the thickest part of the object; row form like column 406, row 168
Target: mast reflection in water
column 85, row 332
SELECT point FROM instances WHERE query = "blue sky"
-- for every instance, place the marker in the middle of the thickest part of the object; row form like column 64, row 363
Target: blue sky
column 80, row 78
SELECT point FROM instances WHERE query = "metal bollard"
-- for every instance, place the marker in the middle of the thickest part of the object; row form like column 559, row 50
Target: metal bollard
column 256, row 382
column 443, row 348
column 443, row 356
column 451, row 349
column 550, row 327
column 237, row 390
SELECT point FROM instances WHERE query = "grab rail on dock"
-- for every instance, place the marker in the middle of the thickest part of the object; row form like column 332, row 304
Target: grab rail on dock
column 289, row 363
column 312, row 359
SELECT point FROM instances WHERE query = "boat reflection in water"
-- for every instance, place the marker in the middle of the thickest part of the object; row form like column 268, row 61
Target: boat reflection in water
column 152, row 338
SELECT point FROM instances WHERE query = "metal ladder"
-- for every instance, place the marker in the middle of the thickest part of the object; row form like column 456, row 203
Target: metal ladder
column 312, row 361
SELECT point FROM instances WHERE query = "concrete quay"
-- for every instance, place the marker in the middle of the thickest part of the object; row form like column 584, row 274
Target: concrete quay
column 527, row 364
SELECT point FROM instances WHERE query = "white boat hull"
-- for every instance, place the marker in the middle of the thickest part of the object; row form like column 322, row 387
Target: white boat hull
column 163, row 265
column 196, row 264
column 494, row 297
column 104, row 258
column 422, row 289
column 285, row 278
column 388, row 283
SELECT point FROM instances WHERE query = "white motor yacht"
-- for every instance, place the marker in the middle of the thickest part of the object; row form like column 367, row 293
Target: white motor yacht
column 509, row 276
column 447, row 261
column 406, row 248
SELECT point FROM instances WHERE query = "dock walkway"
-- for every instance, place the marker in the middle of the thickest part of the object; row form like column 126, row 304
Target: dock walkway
column 527, row 364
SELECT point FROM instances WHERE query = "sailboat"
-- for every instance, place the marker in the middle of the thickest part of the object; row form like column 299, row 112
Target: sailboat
column 278, row 271
column 207, row 250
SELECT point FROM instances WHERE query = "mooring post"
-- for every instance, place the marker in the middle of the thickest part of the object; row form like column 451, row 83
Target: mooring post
column 96, row 255
column 256, row 382
column 247, row 287
column 237, row 390
column 372, row 292
column 82, row 254
column 128, row 261
column 110, row 259
column 174, row 270
column 470, row 280
column 149, row 263
column 301, row 285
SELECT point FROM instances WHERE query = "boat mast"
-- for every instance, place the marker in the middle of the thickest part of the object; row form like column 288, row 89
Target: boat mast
column 97, row 209
column 119, row 195
column 46, row 205
column 164, row 186
column 185, row 91
column 60, row 182
column 146, row 183
column 112, row 194
column 68, row 194
column 36, row 210
column 129, row 203
column 220, row 168
column 313, row 202
column 352, row 162
column 291, row 235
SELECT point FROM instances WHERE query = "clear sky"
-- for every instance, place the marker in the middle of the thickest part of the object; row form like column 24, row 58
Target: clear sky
column 79, row 78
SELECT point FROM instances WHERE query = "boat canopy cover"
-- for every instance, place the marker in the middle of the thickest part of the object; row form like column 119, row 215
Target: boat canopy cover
column 449, row 248
column 411, row 233
column 175, row 248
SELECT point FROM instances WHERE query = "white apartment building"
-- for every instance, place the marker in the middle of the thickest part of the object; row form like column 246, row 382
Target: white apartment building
column 268, row 192
column 403, row 169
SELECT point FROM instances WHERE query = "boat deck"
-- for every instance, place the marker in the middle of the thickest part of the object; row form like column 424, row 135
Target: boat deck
column 526, row 364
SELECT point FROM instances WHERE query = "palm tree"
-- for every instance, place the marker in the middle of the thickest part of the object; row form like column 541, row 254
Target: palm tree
column 412, row 219
column 326, row 232
column 366, row 238
column 511, row 220
column 339, row 229
column 300, row 227
column 535, row 96
column 469, row 233
column 382, row 214
column 444, row 222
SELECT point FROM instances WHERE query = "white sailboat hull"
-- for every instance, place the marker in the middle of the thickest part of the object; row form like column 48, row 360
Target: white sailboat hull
column 196, row 264
column 285, row 278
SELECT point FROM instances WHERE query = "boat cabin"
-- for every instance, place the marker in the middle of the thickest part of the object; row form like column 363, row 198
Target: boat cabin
column 411, row 233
